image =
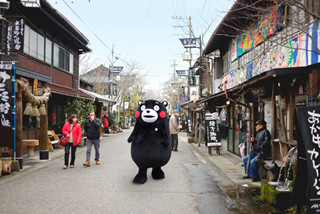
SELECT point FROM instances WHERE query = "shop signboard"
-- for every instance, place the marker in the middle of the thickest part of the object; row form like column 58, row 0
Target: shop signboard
column 212, row 129
column 6, row 95
column 308, row 119
column 189, row 125
column 180, row 122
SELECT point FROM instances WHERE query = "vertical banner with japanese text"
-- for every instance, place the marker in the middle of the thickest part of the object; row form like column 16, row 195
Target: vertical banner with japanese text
column 18, row 35
column 6, row 95
column 308, row 119
column 212, row 129
column 9, row 39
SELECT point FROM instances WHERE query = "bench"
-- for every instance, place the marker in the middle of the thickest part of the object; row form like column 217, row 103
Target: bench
column 53, row 139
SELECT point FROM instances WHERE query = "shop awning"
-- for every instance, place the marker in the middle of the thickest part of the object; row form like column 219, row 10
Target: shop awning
column 274, row 73
column 189, row 104
column 98, row 97
column 63, row 90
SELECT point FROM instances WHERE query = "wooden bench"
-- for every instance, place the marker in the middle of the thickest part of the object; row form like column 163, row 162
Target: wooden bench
column 53, row 139
column 30, row 144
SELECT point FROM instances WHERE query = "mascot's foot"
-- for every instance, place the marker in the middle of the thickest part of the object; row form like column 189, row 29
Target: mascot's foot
column 141, row 177
column 157, row 173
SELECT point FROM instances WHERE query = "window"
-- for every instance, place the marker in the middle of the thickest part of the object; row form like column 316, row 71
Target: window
column 33, row 43
column 71, row 63
column 26, row 47
column 62, row 58
column 56, row 55
column 48, row 58
column 40, row 47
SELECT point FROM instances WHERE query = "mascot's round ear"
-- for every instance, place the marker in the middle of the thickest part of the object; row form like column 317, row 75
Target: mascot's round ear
column 165, row 103
column 140, row 102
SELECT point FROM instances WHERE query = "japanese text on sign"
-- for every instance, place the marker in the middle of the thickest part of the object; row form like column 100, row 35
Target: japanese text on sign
column 314, row 122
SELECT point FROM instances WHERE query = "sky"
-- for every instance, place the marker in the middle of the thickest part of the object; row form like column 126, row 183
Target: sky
column 143, row 31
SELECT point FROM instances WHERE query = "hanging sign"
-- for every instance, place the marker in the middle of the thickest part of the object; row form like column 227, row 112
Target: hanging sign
column 9, row 39
column 116, row 69
column 188, row 42
column 192, row 79
column 18, row 35
column 212, row 129
column 181, row 72
column 6, row 95
column 35, row 86
column 309, row 125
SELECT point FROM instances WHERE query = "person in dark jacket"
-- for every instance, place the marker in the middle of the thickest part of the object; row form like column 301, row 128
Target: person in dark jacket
column 261, row 148
column 91, row 127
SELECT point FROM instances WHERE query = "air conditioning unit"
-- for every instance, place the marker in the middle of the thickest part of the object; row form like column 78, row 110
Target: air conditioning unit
column 31, row 3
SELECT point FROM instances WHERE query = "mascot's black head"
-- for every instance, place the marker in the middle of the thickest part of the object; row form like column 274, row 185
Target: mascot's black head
column 151, row 111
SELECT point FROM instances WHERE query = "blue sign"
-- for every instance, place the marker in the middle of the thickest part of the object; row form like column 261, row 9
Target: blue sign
column 174, row 85
column 189, row 42
column 117, row 69
column 181, row 72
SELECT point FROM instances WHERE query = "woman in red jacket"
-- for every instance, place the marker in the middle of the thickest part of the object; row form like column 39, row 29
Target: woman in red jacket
column 73, row 131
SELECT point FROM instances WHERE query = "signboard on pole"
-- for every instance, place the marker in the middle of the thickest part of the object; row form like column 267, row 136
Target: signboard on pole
column 212, row 129
column 188, row 42
column 181, row 72
column 116, row 69
column 6, row 95
column 308, row 122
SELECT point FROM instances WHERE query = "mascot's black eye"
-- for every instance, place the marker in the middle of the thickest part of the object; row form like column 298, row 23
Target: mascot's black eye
column 143, row 108
column 156, row 108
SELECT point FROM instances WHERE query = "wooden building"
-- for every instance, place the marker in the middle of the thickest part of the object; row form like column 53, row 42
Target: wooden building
column 48, row 57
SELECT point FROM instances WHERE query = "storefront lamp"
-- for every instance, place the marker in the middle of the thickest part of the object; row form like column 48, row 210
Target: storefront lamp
column 31, row 3
column 228, row 102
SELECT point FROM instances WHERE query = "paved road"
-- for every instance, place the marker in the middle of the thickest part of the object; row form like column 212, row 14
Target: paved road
column 108, row 188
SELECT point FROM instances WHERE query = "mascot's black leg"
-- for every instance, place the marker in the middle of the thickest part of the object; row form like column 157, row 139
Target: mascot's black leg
column 157, row 173
column 141, row 177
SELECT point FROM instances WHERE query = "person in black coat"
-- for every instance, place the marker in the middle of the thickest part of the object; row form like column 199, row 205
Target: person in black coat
column 91, row 127
column 261, row 148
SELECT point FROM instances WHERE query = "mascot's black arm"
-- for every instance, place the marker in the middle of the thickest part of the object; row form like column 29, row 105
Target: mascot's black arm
column 133, row 134
column 165, row 134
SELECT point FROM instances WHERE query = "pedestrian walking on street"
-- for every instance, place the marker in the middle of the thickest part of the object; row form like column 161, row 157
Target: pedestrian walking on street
column 261, row 150
column 174, row 130
column 73, row 131
column 91, row 127
column 106, row 123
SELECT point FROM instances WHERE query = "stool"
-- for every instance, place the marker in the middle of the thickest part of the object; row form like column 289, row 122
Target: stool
column 30, row 143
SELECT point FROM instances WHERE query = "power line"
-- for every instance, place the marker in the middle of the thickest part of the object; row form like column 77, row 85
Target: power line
column 87, row 26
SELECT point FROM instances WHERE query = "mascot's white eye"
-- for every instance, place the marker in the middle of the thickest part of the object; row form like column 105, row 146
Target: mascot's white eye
column 156, row 108
column 143, row 108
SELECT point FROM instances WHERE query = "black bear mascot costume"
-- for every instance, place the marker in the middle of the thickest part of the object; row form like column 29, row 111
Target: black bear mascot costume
column 151, row 144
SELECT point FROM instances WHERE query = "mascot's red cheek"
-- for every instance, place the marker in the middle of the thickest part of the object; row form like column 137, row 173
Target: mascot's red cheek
column 163, row 114
column 137, row 114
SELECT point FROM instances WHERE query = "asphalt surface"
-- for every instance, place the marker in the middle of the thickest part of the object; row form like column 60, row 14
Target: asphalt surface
column 189, row 186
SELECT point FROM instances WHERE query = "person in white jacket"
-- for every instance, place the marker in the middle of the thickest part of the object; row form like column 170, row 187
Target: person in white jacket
column 174, row 130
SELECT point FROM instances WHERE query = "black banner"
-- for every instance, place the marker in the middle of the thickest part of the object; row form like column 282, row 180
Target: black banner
column 192, row 79
column 212, row 130
column 18, row 35
column 9, row 39
column 6, row 95
column 308, row 119
column 189, row 125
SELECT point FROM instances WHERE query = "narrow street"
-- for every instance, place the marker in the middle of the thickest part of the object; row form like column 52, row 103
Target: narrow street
column 108, row 188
